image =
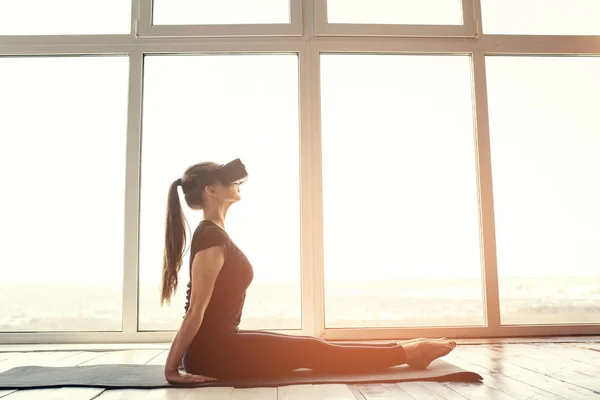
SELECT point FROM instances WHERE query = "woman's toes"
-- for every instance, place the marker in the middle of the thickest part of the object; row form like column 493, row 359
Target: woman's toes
column 420, row 355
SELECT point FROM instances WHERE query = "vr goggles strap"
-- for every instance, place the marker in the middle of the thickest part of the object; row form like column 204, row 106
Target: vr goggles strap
column 226, row 174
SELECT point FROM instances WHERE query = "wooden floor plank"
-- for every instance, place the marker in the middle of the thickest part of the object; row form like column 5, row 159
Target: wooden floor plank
column 593, row 345
column 441, row 391
column 383, row 391
column 77, row 359
column 11, row 354
column 584, row 356
column 210, row 393
column 494, row 378
column 417, row 391
column 160, row 358
column 478, row 391
column 296, row 392
column 124, row 394
column 125, row 357
column 431, row 390
column 333, row 392
column 562, row 369
column 356, row 392
column 547, row 353
column 516, row 368
column 475, row 390
column 255, row 394
column 587, row 346
column 102, row 347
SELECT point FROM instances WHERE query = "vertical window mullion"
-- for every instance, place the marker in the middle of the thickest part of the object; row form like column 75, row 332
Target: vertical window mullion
column 132, row 194
column 486, row 199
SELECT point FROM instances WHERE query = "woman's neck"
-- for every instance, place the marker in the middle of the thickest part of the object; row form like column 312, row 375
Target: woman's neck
column 217, row 216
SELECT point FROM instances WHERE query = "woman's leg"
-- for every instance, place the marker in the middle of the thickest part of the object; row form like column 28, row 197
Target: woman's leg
column 256, row 354
column 350, row 344
column 345, row 344
column 269, row 355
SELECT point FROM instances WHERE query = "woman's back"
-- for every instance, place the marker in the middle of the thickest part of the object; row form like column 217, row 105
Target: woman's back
column 224, row 311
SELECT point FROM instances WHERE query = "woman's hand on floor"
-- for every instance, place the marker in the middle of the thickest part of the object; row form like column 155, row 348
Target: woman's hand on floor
column 176, row 376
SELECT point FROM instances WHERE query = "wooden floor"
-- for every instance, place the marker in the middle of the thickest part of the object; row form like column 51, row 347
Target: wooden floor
column 511, row 371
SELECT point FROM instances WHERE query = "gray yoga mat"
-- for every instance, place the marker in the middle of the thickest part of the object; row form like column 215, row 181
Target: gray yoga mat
column 138, row 376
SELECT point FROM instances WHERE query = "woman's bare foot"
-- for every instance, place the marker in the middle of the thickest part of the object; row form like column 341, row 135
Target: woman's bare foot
column 420, row 354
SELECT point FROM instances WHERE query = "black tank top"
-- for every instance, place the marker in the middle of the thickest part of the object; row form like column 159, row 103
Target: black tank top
column 224, row 311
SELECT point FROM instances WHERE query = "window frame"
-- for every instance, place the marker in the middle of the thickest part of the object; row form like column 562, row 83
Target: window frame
column 309, row 43
column 469, row 28
column 145, row 28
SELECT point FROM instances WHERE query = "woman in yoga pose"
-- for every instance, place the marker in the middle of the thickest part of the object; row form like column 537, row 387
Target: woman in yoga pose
column 208, row 342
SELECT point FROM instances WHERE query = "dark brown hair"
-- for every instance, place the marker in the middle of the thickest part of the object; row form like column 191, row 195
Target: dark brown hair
column 175, row 231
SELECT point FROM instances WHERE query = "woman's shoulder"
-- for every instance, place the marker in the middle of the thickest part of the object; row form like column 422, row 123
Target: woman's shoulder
column 208, row 234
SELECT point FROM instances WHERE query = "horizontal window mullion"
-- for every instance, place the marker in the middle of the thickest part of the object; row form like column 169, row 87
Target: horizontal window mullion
column 489, row 44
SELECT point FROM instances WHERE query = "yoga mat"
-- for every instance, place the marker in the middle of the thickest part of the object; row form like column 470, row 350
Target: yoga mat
column 137, row 376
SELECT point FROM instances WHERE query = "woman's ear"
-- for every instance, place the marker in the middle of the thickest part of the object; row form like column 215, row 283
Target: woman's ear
column 210, row 191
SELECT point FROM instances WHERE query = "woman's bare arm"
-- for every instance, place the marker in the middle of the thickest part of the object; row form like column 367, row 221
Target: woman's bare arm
column 205, row 268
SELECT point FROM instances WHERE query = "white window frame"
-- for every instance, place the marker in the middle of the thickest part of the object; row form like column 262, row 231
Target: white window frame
column 144, row 27
column 309, row 47
column 469, row 28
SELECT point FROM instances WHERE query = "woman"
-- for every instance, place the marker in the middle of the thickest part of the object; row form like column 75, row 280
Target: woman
column 208, row 342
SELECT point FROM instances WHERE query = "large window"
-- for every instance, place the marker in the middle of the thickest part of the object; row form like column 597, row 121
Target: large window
column 418, row 12
column 545, row 141
column 217, row 12
column 400, row 207
column 541, row 17
column 417, row 168
column 64, row 17
column 218, row 108
column 62, row 168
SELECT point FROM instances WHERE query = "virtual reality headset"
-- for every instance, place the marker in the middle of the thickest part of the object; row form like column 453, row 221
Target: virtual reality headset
column 232, row 173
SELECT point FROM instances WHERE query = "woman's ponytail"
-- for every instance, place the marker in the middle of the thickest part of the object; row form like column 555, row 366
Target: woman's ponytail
column 175, row 242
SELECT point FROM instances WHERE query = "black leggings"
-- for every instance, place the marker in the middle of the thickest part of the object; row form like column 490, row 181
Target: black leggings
column 248, row 354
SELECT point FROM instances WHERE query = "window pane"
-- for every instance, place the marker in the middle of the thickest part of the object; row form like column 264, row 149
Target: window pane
column 401, row 224
column 62, row 203
column 199, row 108
column 545, row 138
column 541, row 17
column 421, row 12
column 218, row 12
column 64, row 17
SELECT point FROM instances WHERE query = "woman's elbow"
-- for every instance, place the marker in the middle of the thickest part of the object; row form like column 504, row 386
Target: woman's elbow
column 195, row 315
